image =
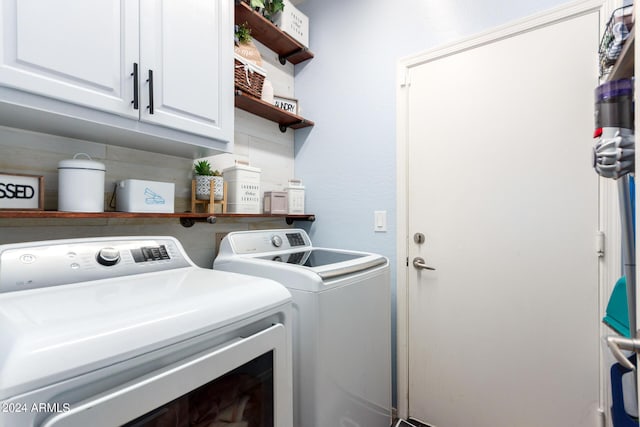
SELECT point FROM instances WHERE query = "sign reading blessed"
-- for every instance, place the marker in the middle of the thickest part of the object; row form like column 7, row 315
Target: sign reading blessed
column 21, row 191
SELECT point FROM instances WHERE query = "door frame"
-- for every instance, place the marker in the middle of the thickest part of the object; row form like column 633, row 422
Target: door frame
column 608, row 212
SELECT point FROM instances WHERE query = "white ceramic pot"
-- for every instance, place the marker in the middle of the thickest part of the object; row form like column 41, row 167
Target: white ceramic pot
column 81, row 185
column 203, row 187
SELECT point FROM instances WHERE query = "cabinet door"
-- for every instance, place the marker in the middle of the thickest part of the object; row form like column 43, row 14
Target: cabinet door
column 186, row 51
column 71, row 50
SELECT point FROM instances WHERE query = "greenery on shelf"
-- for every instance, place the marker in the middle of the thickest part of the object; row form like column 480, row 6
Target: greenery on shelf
column 269, row 8
column 242, row 33
column 203, row 168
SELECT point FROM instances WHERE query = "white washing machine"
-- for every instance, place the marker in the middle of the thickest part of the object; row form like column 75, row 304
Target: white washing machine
column 128, row 331
column 341, row 323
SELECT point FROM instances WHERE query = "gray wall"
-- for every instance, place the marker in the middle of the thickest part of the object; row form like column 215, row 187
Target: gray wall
column 347, row 159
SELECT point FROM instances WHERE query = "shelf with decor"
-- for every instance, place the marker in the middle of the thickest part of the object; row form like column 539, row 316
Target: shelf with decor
column 249, row 77
column 187, row 219
column 624, row 66
column 616, row 50
column 285, row 120
column 267, row 33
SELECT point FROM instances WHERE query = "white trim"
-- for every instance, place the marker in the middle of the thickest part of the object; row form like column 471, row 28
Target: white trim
column 402, row 239
column 402, row 313
column 505, row 31
column 609, row 271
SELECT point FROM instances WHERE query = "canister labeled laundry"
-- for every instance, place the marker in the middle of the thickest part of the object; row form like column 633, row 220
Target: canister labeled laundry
column 81, row 185
column 243, row 188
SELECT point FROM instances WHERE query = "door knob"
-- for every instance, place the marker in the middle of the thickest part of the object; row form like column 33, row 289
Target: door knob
column 420, row 265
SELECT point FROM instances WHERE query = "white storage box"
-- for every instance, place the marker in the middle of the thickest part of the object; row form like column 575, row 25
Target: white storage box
column 135, row 195
column 243, row 189
column 294, row 23
column 275, row 202
column 295, row 194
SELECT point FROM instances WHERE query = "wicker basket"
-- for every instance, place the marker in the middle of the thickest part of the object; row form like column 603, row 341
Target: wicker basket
column 248, row 77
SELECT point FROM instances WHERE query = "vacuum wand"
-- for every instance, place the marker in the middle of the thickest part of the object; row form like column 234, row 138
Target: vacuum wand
column 614, row 157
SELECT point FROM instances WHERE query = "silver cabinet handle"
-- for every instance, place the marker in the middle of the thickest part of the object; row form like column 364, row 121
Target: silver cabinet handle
column 420, row 265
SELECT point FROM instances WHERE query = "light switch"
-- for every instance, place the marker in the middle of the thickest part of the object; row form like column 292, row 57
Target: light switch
column 380, row 221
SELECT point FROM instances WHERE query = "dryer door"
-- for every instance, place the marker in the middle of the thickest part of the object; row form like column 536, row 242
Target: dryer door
column 243, row 380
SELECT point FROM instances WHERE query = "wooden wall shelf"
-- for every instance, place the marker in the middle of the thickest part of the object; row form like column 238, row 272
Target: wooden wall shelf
column 263, row 109
column 263, row 30
column 186, row 218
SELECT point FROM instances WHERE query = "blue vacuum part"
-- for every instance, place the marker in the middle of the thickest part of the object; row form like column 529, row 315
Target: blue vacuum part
column 632, row 196
column 617, row 314
column 619, row 416
column 614, row 88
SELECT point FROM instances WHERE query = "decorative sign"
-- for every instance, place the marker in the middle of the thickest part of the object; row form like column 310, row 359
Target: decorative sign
column 21, row 191
column 289, row 105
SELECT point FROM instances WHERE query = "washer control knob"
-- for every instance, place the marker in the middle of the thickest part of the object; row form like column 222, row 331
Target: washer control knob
column 276, row 241
column 108, row 256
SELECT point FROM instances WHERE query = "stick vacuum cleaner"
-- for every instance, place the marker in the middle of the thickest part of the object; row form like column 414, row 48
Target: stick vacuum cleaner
column 614, row 157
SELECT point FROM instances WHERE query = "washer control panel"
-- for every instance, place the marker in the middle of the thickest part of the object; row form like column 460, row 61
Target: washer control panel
column 276, row 240
column 262, row 241
column 58, row 262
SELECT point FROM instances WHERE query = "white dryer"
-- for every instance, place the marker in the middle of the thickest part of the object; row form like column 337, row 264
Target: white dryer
column 128, row 331
column 341, row 323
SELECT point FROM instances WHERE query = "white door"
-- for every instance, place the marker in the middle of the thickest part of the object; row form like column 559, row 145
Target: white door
column 72, row 50
column 505, row 331
column 186, row 52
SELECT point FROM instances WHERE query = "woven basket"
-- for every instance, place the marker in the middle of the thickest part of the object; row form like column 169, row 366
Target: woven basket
column 248, row 77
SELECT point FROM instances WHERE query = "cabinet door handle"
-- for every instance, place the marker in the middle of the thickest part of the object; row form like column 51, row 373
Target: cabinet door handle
column 135, row 86
column 150, row 80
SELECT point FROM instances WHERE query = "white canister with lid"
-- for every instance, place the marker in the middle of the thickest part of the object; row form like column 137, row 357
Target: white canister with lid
column 81, row 185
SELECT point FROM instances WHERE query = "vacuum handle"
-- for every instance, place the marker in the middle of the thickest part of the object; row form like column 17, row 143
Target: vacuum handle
column 617, row 344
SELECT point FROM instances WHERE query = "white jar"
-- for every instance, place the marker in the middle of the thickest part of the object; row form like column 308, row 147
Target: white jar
column 81, row 185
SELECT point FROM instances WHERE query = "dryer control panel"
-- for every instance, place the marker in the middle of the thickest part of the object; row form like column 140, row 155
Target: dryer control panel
column 58, row 262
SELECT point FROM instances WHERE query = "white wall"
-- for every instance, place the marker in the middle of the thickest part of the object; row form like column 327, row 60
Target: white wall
column 347, row 159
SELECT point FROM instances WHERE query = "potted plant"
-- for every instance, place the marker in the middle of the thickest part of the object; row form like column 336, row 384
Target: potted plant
column 268, row 8
column 242, row 33
column 204, row 175
column 244, row 45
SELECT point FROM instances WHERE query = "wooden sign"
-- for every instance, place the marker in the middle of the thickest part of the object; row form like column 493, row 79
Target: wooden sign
column 21, row 191
column 289, row 105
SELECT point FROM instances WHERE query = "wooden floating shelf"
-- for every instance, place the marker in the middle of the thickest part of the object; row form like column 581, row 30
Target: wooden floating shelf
column 263, row 30
column 186, row 218
column 263, row 109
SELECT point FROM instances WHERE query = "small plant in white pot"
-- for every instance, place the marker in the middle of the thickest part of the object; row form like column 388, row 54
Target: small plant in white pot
column 204, row 175
column 268, row 8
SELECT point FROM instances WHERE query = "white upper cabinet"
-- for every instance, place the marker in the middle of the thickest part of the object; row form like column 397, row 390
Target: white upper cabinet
column 72, row 50
column 161, row 69
column 180, row 43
